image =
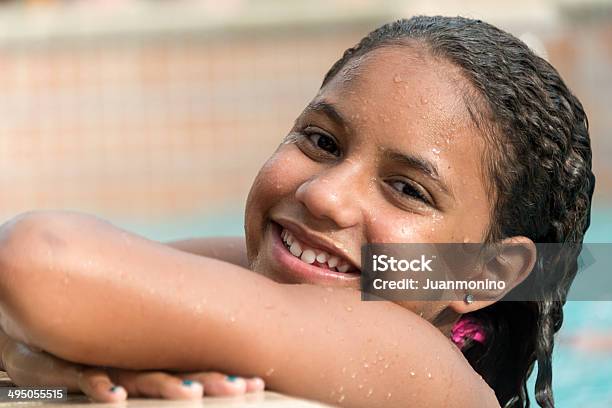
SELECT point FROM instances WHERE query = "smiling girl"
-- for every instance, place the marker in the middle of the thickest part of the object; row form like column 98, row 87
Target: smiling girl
column 430, row 130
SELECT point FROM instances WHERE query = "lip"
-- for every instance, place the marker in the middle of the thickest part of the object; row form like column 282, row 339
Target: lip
column 302, row 272
column 315, row 241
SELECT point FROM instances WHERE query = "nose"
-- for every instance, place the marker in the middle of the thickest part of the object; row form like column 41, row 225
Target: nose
column 333, row 195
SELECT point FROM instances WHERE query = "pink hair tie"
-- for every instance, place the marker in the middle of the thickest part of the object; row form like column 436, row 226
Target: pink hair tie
column 467, row 328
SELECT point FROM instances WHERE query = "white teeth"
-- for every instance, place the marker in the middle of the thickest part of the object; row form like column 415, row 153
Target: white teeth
column 308, row 256
column 343, row 268
column 322, row 257
column 333, row 261
column 296, row 249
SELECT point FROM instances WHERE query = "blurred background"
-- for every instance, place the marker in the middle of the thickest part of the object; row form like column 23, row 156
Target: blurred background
column 158, row 114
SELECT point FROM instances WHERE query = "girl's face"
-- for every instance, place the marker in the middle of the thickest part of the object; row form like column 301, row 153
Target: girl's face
column 385, row 152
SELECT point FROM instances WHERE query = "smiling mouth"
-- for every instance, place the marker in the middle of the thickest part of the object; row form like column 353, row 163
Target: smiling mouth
column 315, row 256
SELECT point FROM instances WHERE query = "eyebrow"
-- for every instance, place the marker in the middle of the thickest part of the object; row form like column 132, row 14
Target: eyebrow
column 330, row 111
column 422, row 165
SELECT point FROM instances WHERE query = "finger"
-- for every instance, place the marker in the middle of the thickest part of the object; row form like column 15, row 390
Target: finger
column 217, row 384
column 255, row 384
column 97, row 385
column 26, row 367
column 156, row 384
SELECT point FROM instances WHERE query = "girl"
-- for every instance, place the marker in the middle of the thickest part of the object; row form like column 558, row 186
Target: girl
column 431, row 129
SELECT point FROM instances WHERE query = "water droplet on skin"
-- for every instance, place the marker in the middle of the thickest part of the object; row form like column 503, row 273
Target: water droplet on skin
column 435, row 151
column 349, row 309
column 412, row 374
column 366, row 365
column 341, row 398
column 360, row 386
column 429, row 375
column 370, row 391
column 341, row 388
column 232, row 319
column 388, row 395
column 270, row 372
column 397, row 78
column 354, row 375
column 343, row 370
column 424, row 100
column 387, row 365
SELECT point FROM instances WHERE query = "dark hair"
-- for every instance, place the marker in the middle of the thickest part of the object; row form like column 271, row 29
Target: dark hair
column 538, row 165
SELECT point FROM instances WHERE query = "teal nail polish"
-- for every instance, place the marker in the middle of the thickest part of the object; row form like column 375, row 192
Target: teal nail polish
column 232, row 378
column 114, row 388
column 187, row 383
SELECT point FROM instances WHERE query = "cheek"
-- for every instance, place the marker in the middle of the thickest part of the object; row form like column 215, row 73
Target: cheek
column 406, row 228
column 277, row 179
column 279, row 176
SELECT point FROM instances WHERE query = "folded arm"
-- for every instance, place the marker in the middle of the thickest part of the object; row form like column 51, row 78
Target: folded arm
column 228, row 249
column 85, row 291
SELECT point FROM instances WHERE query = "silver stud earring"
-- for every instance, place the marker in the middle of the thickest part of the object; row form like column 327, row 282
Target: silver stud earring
column 469, row 299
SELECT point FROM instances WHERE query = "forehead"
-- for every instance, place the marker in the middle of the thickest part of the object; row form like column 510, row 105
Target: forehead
column 405, row 87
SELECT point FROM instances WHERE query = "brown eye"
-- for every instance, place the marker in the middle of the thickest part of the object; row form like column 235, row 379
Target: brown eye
column 324, row 142
column 409, row 190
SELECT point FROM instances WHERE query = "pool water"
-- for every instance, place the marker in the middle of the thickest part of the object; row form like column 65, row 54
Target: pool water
column 581, row 377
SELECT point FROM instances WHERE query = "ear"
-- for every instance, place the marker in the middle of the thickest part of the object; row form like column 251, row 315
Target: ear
column 511, row 262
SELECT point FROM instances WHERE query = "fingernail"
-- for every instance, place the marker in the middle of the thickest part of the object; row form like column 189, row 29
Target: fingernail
column 114, row 388
column 232, row 378
column 190, row 383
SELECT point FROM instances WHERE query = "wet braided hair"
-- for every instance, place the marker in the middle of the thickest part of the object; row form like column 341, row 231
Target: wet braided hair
column 538, row 166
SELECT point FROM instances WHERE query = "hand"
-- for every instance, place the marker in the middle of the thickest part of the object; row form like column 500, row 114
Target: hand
column 26, row 366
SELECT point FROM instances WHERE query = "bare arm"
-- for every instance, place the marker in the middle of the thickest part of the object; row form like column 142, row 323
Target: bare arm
column 228, row 249
column 112, row 298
